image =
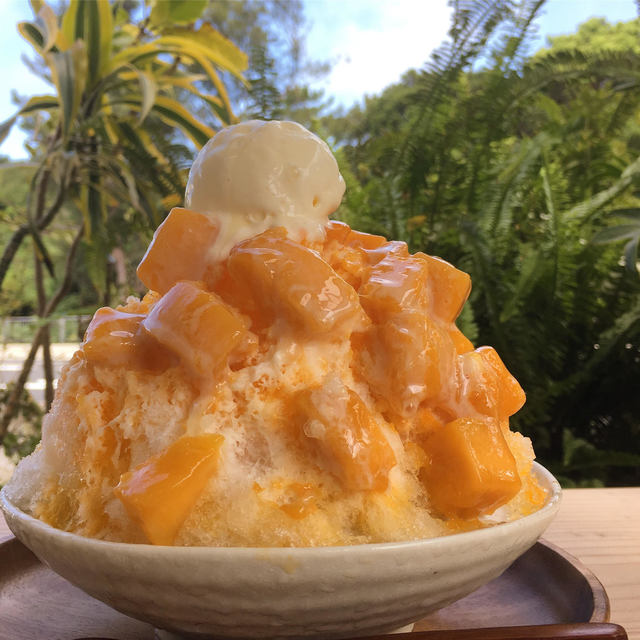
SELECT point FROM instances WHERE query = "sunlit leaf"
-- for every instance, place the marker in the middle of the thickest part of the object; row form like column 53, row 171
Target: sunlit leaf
column 43, row 32
column 221, row 49
column 148, row 90
column 32, row 34
column 586, row 209
column 218, row 49
column 68, row 72
column 174, row 114
column 106, row 31
column 99, row 27
column 80, row 22
column 130, row 182
column 5, row 128
column 69, row 22
column 618, row 232
column 144, row 140
column 49, row 19
column 208, row 68
column 92, row 40
column 632, row 213
column 187, row 83
column 36, row 6
column 185, row 50
column 170, row 12
column 132, row 54
column 35, row 103
column 39, row 103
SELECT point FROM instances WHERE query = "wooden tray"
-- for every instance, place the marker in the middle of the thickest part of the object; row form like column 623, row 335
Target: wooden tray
column 544, row 586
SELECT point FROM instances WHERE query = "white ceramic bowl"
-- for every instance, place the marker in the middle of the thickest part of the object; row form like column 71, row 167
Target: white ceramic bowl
column 325, row 592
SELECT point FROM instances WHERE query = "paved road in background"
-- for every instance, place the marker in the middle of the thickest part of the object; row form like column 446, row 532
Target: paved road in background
column 13, row 355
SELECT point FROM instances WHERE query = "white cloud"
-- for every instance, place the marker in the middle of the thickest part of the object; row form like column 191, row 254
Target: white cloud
column 372, row 43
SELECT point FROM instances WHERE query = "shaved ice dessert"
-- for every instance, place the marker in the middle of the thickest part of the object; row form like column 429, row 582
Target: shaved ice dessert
column 286, row 381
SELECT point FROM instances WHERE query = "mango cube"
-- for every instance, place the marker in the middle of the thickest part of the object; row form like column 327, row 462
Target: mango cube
column 197, row 326
column 471, row 469
column 489, row 387
column 405, row 360
column 178, row 250
column 111, row 337
column 289, row 279
column 396, row 283
column 345, row 235
column 160, row 492
column 351, row 444
column 450, row 288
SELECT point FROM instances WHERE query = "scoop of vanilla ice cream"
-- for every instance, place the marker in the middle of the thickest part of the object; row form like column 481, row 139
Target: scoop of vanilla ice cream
column 261, row 174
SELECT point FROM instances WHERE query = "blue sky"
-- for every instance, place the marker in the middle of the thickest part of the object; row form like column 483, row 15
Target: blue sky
column 376, row 41
column 370, row 42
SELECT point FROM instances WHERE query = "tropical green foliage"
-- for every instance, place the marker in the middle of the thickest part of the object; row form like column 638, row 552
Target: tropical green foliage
column 597, row 34
column 17, row 294
column 522, row 171
column 108, row 142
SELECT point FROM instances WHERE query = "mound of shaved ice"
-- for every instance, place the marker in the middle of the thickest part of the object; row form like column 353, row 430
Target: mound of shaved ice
column 299, row 387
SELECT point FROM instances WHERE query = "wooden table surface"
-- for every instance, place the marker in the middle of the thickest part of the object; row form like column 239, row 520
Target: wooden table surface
column 600, row 527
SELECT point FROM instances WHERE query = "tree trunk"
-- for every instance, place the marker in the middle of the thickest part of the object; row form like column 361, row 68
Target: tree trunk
column 46, row 337
column 47, row 363
column 11, row 408
column 41, row 334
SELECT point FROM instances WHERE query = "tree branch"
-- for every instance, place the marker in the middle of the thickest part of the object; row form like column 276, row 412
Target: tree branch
column 42, row 220
column 11, row 249
column 46, row 340
column 68, row 274
column 41, row 335
column 11, row 408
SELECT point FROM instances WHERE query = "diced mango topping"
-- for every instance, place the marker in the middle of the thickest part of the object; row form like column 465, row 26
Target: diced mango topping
column 450, row 288
column 160, row 493
column 511, row 397
column 489, row 387
column 289, row 279
column 197, row 326
column 396, row 283
column 347, row 251
column 345, row 235
column 449, row 402
column 350, row 442
column 403, row 359
column 111, row 336
column 471, row 470
column 115, row 338
column 178, row 250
